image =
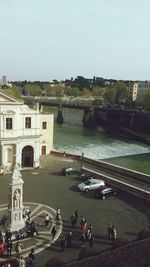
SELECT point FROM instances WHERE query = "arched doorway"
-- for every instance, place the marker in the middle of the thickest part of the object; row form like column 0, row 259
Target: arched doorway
column 27, row 156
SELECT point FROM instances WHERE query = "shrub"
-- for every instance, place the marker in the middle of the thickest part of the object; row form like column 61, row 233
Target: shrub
column 143, row 234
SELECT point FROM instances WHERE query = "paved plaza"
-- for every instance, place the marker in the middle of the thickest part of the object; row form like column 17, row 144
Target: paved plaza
column 45, row 190
column 44, row 237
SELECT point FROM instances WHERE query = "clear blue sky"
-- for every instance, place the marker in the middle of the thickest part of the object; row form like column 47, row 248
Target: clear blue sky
column 59, row 39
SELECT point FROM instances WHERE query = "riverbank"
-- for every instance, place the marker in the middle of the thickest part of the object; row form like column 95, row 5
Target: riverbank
column 140, row 163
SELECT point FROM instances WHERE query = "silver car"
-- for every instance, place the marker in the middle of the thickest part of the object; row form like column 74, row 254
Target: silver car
column 90, row 184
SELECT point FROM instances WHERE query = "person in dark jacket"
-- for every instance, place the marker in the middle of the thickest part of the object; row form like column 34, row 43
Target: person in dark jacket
column 9, row 247
column 69, row 240
column 32, row 257
column 62, row 243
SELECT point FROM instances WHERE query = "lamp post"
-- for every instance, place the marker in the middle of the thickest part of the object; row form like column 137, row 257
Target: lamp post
column 82, row 155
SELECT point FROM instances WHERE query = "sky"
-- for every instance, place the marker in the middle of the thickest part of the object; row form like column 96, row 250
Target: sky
column 59, row 39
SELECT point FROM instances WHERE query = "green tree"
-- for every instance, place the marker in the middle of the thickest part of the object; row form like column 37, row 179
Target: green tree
column 56, row 91
column 82, row 82
column 32, row 89
column 146, row 101
column 86, row 93
column 110, row 95
column 97, row 102
column 72, row 91
column 50, row 91
column 98, row 91
column 121, row 91
column 16, row 91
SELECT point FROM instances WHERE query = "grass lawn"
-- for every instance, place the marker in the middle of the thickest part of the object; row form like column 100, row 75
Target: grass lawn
column 48, row 187
column 135, row 162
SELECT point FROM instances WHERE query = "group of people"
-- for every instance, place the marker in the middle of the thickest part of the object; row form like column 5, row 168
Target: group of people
column 86, row 233
column 7, row 245
column 66, row 241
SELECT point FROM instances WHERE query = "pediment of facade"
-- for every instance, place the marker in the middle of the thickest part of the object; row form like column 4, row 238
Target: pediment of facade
column 5, row 98
column 8, row 112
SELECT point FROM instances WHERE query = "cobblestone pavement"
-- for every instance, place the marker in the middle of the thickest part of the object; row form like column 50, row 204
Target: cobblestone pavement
column 44, row 237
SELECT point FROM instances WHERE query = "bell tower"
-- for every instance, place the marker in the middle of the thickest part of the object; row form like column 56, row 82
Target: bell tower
column 15, row 203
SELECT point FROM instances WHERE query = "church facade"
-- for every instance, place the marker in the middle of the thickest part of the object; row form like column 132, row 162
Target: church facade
column 25, row 133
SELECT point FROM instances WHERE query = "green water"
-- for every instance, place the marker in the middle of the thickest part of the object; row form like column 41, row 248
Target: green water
column 97, row 144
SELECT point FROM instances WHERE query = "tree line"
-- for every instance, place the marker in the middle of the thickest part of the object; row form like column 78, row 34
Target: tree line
column 101, row 91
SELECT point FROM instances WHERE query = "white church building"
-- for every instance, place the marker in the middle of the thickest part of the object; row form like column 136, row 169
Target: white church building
column 25, row 133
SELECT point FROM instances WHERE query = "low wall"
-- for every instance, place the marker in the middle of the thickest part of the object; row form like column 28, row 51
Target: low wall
column 140, row 193
column 65, row 154
column 136, row 191
column 121, row 170
column 106, row 166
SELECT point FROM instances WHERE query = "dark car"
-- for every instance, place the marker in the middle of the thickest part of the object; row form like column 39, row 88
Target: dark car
column 68, row 171
column 103, row 192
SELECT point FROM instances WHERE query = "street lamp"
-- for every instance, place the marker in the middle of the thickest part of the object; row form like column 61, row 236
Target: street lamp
column 82, row 155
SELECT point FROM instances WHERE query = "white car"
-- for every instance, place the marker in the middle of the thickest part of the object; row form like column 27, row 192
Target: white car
column 90, row 184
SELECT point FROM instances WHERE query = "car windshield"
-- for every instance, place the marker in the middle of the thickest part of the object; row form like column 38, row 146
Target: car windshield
column 87, row 182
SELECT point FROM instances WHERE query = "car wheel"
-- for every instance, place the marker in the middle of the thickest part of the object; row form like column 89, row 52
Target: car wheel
column 86, row 190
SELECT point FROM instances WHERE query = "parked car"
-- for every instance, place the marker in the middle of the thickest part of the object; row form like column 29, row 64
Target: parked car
column 85, row 176
column 68, row 171
column 90, row 184
column 104, row 192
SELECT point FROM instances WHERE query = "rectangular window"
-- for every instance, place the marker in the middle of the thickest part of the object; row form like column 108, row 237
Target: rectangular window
column 8, row 123
column 43, row 150
column 28, row 122
column 44, row 125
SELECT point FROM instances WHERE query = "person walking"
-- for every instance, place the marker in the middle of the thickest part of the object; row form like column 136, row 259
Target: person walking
column 58, row 214
column 8, row 235
column 83, row 221
column 62, row 244
column 73, row 219
column 46, row 220
column 32, row 257
column 91, row 238
column 109, row 230
column 18, row 248
column 83, row 240
column 76, row 215
column 69, row 240
column 53, row 232
column 22, row 262
column 113, row 233
column 1, row 237
column 2, row 248
column 84, row 227
column 9, row 247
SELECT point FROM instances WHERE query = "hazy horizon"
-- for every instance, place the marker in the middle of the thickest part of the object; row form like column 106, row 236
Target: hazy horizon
column 60, row 39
